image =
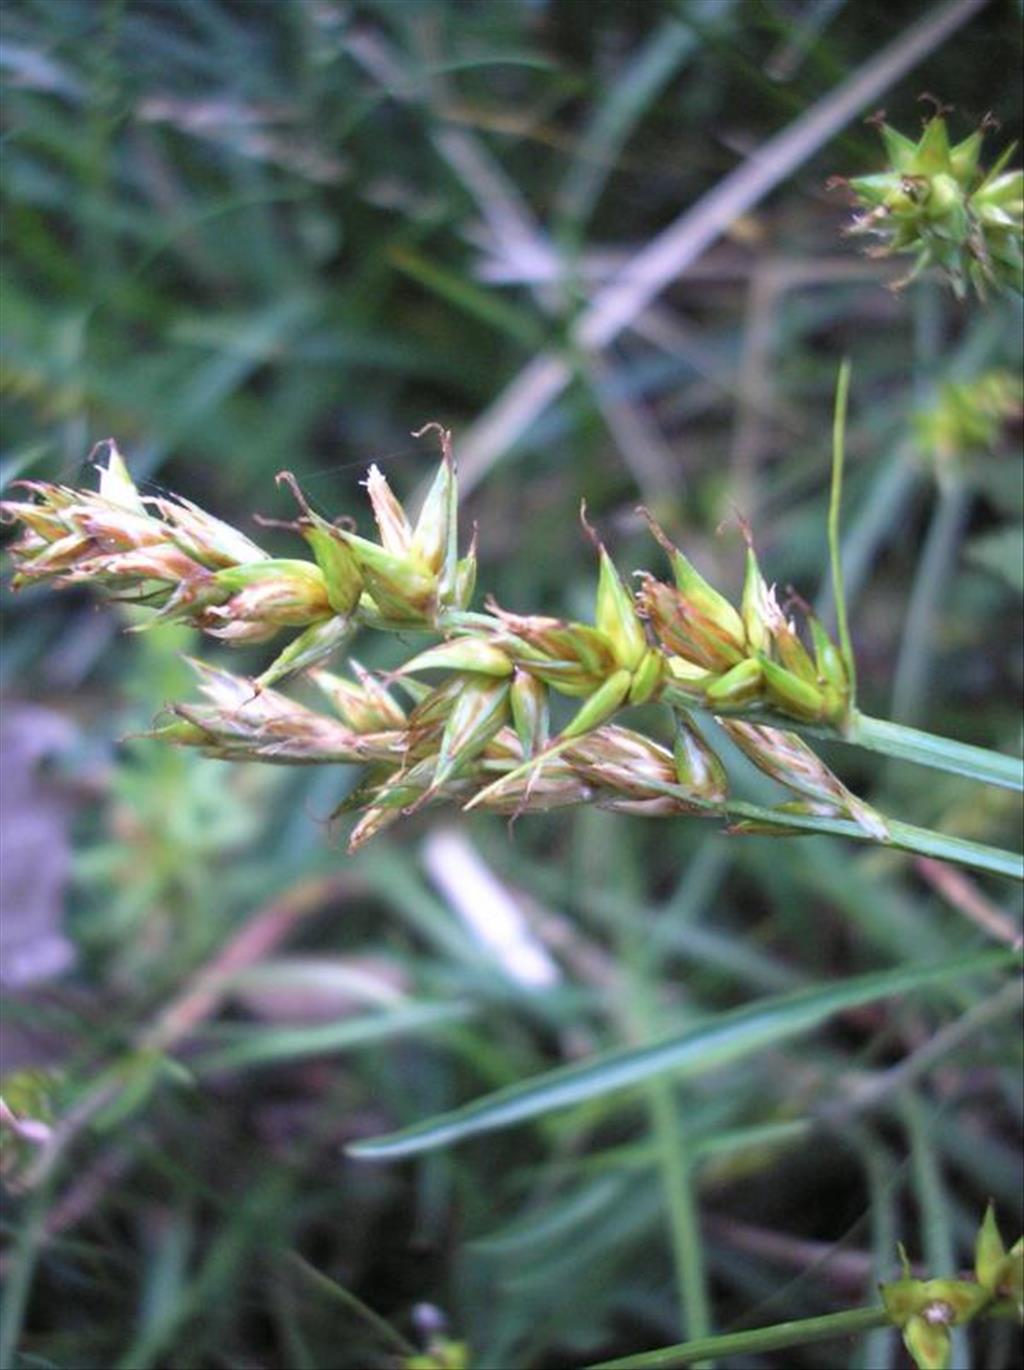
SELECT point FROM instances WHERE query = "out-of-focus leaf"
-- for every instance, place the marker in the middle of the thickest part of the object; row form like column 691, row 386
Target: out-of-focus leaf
column 1002, row 553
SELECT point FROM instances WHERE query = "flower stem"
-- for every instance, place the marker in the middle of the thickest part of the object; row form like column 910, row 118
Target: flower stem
column 683, row 1217
column 800, row 1333
column 929, row 749
column 835, row 500
column 890, row 739
column 902, row 836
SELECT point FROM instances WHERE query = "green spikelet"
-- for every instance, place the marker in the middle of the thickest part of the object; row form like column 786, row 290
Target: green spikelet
column 935, row 203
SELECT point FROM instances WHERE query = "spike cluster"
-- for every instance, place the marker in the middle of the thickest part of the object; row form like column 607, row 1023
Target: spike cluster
column 481, row 736
column 936, row 202
column 967, row 417
column 737, row 658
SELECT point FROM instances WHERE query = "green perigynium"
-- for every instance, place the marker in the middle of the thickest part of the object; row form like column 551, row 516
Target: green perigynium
column 936, row 202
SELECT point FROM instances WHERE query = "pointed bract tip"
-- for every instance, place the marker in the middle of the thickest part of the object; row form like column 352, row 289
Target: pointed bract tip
column 939, row 107
column 746, row 532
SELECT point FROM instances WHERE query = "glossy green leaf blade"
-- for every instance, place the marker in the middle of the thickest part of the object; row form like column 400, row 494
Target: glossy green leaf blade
column 706, row 1046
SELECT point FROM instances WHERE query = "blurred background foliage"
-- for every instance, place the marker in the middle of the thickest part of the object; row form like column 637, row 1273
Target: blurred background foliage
column 247, row 235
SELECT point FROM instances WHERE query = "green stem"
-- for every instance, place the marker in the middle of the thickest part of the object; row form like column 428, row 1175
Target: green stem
column 835, row 500
column 18, row 1285
column 388, row 1334
column 683, row 1217
column 783, row 1334
column 902, row 836
column 890, row 739
column 933, row 1200
column 929, row 749
column 883, row 1179
column 882, row 510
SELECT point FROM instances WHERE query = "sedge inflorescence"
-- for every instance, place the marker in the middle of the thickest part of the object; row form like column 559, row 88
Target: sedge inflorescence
column 927, row 1309
column 936, row 202
column 481, row 735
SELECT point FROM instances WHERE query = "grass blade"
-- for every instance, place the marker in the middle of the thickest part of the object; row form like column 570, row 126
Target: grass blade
column 669, row 47
column 709, row 1045
column 289, row 1044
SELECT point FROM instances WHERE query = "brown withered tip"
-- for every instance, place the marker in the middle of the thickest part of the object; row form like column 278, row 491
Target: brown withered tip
column 795, row 599
column 743, row 523
column 288, row 478
column 289, row 525
column 444, row 437
column 656, row 530
column 589, row 528
column 939, row 107
column 875, row 120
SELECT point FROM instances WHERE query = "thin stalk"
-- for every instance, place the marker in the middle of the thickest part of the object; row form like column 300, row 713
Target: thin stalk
column 683, row 1217
column 881, row 512
column 884, row 1179
column 834, row 505
column 675, row 1153
column 890, row 739
column 803, row 1332
column 901, row 836
column 389, row 1335
column 930, row 749
column 18, row 1283
column 933, row 1203
column 877, row 1089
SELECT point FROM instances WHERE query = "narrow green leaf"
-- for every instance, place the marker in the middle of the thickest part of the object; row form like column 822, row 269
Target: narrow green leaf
column 708, row 1046
column 484, row 305
column 287, row 1044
